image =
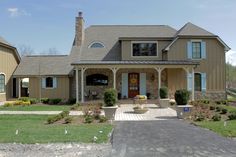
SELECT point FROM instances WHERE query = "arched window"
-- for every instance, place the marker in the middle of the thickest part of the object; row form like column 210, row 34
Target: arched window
column 49, row 82
column 2, row 83
column 197, row 82
column 97, row 80
column 96, row 45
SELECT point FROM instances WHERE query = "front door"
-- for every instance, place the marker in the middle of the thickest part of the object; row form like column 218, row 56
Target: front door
column 133, row 84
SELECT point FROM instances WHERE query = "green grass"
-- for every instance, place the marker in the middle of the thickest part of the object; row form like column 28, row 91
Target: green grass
column 228, row 131
column 229, row 108
column 32, row 129
column 36, row 108
column 231, row 98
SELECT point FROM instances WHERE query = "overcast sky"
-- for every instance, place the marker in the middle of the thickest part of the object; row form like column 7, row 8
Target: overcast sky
column 45, row 24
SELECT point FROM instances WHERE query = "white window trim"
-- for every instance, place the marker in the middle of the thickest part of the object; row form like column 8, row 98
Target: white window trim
column 5, row 83
column 196, row 40
column 135, row 42
column 96, row 47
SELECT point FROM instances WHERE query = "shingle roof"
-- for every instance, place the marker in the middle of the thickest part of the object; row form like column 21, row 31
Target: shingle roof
column 169, row 62
column 109, row 35
column 190, row 29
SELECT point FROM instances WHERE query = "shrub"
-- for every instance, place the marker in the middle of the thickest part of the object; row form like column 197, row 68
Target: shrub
column 96, row 113
column 75, row 107
column 224, row 102
column 205, row 101
column 212, row 107
column 182, row 97
column 45, row 100
column 25, row 103
column 163, row 92
column 50, row 120
column 110, row 97
column 24, row 99
column 64, row 114
column 57, row 117
column 102, row 119
column 232, row 115
column 7, row 104
column 200, row 117
column 218, row 102
column 68, row 119
column 18, row 102
column 54, row 101
column 33, row 100
column 224, row 111
column 216, row 117
column 88, row 119
column 218, row 109
column 71, row 101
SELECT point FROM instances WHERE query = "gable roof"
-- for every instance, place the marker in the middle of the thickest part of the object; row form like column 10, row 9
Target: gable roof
column 4, row 43
column 109, row 35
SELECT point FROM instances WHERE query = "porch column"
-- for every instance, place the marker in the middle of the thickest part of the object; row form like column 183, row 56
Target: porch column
column 82, row 84
column 77, row 83
column 193, row 85
column 19, row 87
column 114, row 70
column 159, row 70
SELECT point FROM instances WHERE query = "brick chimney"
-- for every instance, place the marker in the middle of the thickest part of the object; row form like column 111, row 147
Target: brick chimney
column 79, row 30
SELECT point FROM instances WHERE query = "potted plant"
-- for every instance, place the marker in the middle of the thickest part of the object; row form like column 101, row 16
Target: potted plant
column 139, row 101
column 182, row 108
column 164, row 100
column 110, row 99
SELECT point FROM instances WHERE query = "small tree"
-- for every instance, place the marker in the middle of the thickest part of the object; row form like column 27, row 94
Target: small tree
column 182, row 97
column 110, row 97
column 163, row 92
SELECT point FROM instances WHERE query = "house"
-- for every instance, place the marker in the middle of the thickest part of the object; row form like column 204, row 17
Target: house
column 134, row 59
column 9, row 59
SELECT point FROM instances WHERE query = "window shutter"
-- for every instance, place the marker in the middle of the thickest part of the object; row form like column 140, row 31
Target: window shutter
column 124, row 85
column 203, row 49
column 189, row 79
column 54, row 82
column 203, row 81
column 142, row 84
column 189, row 50
column 43, row 82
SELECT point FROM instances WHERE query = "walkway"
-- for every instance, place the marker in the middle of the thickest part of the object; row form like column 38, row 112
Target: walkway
column 168, row 138
column 125, row 113
column 73, row 113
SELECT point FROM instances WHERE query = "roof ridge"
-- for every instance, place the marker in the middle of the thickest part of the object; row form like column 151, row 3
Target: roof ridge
column 46, row 55
column 125, row 25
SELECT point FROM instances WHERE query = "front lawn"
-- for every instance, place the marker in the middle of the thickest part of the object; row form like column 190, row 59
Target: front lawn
column 229, row 130
column 36, row 107
column 33, row 129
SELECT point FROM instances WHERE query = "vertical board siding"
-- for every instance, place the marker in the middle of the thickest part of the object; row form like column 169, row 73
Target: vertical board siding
column 142, row 84
column 124, row 85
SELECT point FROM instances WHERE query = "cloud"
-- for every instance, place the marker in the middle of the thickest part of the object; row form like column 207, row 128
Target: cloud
column 231, row 57
column 16, row 12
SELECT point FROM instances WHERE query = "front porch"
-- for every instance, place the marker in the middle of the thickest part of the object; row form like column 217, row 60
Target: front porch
column 132, row 78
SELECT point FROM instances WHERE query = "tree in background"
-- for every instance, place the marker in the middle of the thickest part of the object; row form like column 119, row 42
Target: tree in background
column 25, row 50
column 230, row 75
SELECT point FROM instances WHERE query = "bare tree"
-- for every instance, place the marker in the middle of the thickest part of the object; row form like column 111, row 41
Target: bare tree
column 52, row 51
column 25, row 50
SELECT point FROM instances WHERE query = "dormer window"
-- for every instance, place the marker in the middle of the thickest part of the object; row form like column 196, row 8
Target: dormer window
column 96, row 45
column 144, row 48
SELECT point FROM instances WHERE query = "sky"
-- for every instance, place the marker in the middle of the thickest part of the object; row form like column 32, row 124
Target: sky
column 45, row 25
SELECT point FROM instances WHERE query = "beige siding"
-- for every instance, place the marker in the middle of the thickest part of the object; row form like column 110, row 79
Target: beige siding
column 62, row 90
column 126, row 52
column 8, row 64
column 213, row 65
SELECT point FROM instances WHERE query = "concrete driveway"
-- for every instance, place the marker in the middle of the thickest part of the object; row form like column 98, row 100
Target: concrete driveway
column 168, row 138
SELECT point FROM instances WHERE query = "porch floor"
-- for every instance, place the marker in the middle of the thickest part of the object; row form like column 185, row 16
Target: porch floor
column 125, row 113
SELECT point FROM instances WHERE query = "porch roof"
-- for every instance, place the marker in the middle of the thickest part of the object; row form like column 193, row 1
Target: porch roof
column 129, row 62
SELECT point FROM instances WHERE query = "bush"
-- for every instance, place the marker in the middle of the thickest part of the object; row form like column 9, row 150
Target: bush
column 182, row 97
column 18, row 103
column 33, row 100
column 50, row 120
column 224, row 111
column 45, row 100
column 25, row 103
column 110, row 97
column 218, row 109
column 232, row 115
column 54, row 101
column 88, row 119
column 102, row 119
column 71, row 101
column 68, row 119
column 24, row 99
column 200, row 117
column 75, row 107
column 205, row 101
column 7, row 104
column 216, row 117
column 163, row 92
column 64, row 114
column 57, row 117
column 212, row 107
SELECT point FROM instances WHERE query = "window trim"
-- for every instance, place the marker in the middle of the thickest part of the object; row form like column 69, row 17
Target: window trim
column 145, row 41
column 94, row 42
column 46, row 82
column 1, row 73
column 196, row 40
column 200, row 82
